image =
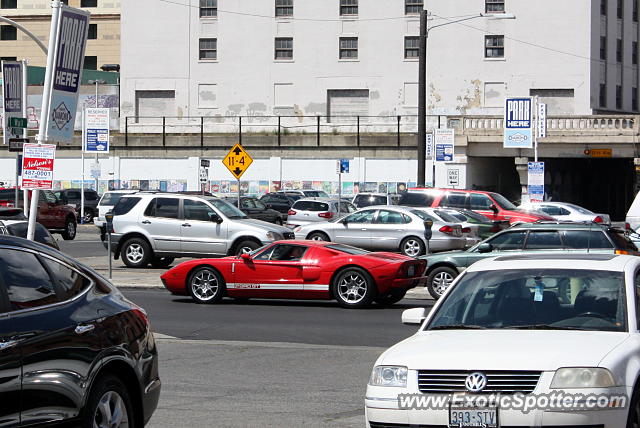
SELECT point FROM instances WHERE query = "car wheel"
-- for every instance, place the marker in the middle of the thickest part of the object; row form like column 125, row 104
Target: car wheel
column 353, row 288
column 136, row 253
column 439, row 281
column 109, row 405
column 206, row 285
column 246, row 247
column 392, row 297
column 318, row 236
column 162, row 262
column 70, row 229
column 88, row 216
column 633, row 420
column 412, row 247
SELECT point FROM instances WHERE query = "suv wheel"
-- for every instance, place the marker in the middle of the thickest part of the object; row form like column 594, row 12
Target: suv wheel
column 162, row 262
column 246, row 247
column 136, row 253
column 88, row 216
column 70, row 229
column 109, row 405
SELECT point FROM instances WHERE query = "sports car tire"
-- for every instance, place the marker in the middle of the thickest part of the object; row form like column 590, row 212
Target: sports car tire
column 354, row 288
column 439, row 281
column 392, row 297
column 206, row 285
column 318, row 236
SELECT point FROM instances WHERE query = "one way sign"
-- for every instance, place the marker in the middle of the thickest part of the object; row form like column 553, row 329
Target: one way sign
column 237, row 161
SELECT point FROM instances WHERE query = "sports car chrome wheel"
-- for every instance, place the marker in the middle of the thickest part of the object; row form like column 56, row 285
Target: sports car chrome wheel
column 354, row 288
column 206, row 285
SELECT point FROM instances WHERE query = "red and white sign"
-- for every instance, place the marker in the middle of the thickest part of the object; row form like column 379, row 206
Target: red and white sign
column 37, row 166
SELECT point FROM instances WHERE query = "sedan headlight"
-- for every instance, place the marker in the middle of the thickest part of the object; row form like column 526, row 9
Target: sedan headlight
column 274, row 236
column 582, row 377
column 389, row 376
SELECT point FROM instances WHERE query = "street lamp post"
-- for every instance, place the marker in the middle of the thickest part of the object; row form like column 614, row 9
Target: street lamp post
column 422, row 88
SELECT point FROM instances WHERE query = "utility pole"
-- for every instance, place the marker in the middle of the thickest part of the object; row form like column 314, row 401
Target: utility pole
column 422, row 98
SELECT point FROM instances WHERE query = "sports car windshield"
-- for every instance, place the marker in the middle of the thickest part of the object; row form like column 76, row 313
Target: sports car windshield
column 347, row 249
column 227, row 209
column 545, row 299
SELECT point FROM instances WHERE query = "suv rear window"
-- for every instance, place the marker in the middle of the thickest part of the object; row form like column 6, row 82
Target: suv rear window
column 417, row 199
column 125, row 205
column 581, row 239
column 310, row 206
column 111, row 198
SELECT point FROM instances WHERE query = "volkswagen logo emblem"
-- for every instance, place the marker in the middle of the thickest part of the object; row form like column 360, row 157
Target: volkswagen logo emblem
column 475, row 382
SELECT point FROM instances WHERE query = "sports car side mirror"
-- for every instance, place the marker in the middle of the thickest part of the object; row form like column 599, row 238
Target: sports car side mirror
column 414, row 316
column 245, row 256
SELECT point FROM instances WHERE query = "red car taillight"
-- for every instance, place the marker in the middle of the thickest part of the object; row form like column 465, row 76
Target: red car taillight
column 291, row 212
column 598, row 219
column 326, row 215
column 627, row 227
column 466, row 230
column 446, row 229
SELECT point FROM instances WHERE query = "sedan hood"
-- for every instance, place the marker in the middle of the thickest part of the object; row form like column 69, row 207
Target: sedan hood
column 544, row 350
column 263, row 225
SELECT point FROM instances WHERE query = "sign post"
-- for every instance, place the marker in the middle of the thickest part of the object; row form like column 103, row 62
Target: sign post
column 430, row 155
column 204, row 174
column 444, row 140
column 342, row 168
column 237, row 162
column 536, row 181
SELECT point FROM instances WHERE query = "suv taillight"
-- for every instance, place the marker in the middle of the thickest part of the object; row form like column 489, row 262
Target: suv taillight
column 291, row 212
column 326, row 215
column 598, row 219
column 446, row 229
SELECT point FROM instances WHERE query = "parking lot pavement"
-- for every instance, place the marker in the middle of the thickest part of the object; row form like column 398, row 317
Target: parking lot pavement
column 250, row 384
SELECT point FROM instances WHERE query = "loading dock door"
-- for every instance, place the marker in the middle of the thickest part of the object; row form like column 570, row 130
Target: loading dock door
column 345, row 104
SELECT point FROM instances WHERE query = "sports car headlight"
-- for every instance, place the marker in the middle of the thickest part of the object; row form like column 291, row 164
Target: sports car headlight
column 274, row 236
column 582, row 377
column 389, row 376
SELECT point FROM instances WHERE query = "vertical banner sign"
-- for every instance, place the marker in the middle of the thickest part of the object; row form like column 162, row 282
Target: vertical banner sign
column 95, row 130
column 67, row 72
column 518, row 123
column 444, row 140
column 37, row 166
column 536, row 181
column 12, row 90
column 541, row 126
column 429, row 149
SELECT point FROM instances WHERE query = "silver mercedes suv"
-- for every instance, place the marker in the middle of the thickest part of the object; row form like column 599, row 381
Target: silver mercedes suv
column 156, row 228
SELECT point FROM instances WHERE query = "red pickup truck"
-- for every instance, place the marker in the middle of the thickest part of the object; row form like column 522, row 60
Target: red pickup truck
column 52, row 213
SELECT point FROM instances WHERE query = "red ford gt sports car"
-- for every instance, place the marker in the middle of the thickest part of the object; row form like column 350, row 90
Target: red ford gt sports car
column 300, row 270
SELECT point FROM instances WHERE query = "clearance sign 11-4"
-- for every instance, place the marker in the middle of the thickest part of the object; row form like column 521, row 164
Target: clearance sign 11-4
column 518, row 123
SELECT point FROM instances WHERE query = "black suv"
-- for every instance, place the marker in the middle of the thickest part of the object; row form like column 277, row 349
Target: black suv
column 280, row 202
column 72, row 348
column 256, row 209
column 73, row 197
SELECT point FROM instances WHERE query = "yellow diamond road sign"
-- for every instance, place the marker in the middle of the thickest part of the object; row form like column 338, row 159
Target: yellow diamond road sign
column 237, row 161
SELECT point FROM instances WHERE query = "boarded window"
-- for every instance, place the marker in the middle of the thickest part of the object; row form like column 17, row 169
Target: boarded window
column 154, row 104
column 207, row 96
column 345, row 104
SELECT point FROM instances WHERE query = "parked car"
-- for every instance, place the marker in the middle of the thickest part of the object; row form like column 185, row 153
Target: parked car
column 279, row 201
column 313, row 210
column 107, row 202
column 538, row 326
column 633, row 215
column 156, row 228
column 490, row 204
column 305, row 193
column 385, row 228
column 255, row 209
column 14, row 222
column 73, row 197
column 362, row 200
column 52, row 213
column 469, row 230
column 566, row 211
column 73, row 349
column 485, row 226
column 527, row 238
column 299, row 270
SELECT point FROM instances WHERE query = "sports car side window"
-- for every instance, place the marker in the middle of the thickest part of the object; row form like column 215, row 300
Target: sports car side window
column 283, row 252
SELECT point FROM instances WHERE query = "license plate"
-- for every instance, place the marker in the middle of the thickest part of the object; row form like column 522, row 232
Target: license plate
column 473, row 417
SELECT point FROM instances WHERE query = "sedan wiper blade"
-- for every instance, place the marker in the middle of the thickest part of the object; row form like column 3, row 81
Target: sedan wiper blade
column 542, row 327
column 458, row 327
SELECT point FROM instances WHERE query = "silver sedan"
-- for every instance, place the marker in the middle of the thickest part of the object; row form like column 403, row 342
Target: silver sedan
column 386, row 228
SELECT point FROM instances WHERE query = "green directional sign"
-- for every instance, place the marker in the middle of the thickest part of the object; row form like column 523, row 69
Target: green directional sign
column 17, row 122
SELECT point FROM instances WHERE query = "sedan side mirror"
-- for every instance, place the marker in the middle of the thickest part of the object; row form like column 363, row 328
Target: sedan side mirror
column 414, row 316
column 485, row 248
column 214, row 217
column 493, row 208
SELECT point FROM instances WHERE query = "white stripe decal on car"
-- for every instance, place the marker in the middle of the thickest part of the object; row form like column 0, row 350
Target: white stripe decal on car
column 292, row 287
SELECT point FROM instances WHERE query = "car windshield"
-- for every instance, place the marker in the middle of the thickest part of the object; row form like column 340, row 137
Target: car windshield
column 347, row 249
column 555, row 299
column 226, row 208
column 476, row 217
column 505, row 203
column 369, row 200
column 315, row 194
column 111, row 198
column 580, row 209
column 449, row 218
column 423, row 215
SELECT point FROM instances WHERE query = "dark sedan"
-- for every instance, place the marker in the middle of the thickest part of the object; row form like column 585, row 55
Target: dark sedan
column 255, row 209
column 72, row 348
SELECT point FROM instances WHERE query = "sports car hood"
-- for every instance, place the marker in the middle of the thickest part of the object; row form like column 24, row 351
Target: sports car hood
column 543, row 350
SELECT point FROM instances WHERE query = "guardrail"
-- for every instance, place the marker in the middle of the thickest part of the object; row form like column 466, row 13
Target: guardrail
column 560, row 125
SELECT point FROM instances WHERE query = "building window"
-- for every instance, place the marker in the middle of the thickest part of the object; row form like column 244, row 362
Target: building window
column 619, row 50
column 8, row 32
column 284, row 8
column 413, row 7
column 494, row 6
column 411, row 47
column 9, row 4
column 634, row 99
column 208, row 8
column 618, row 97
column 620, row 9
column 8, row 58
column 208, row 49
column 603, row 95
column 348, row 7
column 494, row 46
column 603, row 48
column 90, row 63
column 93, row 32
column 284, row 48
column 348, row 48
column 634, row 53
column 89, row 3
column 603, row 7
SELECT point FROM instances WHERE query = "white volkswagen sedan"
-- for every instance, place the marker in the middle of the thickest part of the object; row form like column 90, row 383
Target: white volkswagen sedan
column 519, row 341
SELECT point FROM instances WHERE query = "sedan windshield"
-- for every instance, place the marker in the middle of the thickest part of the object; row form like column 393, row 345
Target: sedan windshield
column 554, row 299
column 226, row 208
